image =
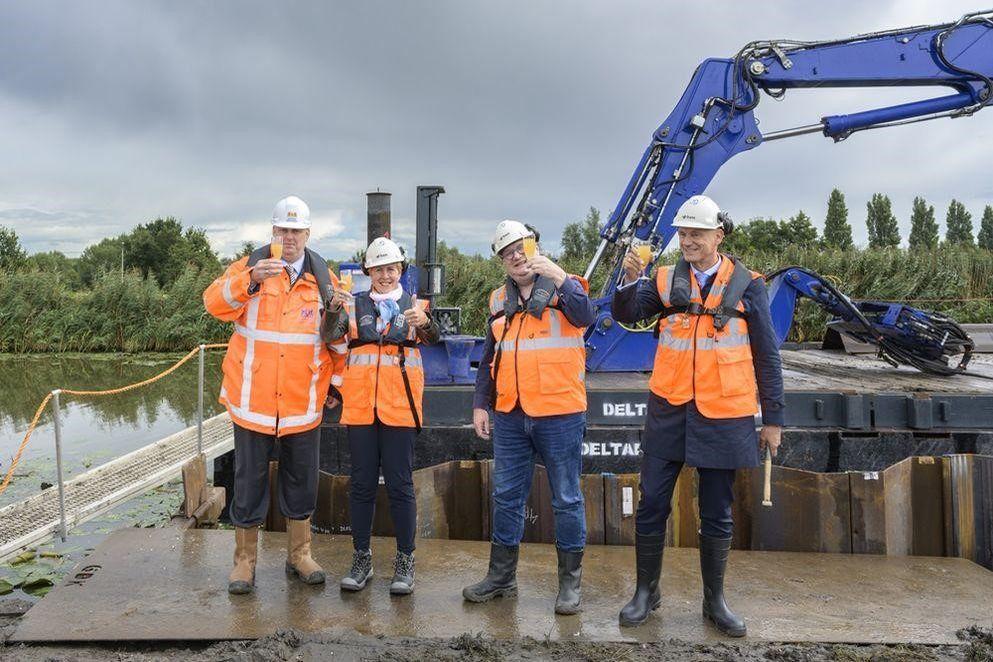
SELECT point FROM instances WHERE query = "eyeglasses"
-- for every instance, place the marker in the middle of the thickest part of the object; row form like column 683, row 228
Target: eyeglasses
column 510, row 253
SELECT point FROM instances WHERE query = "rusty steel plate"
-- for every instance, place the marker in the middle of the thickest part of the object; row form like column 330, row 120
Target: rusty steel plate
column 163, row 584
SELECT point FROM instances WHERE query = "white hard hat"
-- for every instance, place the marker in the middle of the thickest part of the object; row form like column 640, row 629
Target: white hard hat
column 698, row 212
column 507, row 232
column 383, row 251
column 291, row 212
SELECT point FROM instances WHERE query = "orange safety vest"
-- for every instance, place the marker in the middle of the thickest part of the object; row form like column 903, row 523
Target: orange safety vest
column 276, row 369
column 698, row 358
column 374, row 382
column 538, row 362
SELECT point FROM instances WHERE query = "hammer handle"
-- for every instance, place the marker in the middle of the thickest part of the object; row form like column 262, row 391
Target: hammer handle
column 767, row 486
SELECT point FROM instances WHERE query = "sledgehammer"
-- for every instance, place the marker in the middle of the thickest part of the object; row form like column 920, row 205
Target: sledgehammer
column 767, row 486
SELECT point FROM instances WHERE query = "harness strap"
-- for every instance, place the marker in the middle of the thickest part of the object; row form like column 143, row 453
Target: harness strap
column 410, row 393
column 498, row 355
column 396, row 343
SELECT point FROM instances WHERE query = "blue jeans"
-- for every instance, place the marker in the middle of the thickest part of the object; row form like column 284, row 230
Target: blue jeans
column 558, row 441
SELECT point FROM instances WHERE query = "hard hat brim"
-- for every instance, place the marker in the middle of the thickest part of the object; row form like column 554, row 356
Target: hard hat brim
column 696, row 226
column 286, row 224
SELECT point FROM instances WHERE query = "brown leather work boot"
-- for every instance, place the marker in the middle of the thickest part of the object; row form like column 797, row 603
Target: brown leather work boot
column 299, row 561
column 246, row 546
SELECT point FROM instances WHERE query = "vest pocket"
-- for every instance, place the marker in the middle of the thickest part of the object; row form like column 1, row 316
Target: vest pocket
column 356, row 387
column 666, row 362
column 734, row 365
column 556, row 376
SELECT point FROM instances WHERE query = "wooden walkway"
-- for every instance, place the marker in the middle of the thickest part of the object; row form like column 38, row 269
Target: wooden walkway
column 100, row 489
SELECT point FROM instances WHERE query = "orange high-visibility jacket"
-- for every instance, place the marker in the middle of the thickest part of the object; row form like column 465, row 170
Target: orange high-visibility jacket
column 373, row 383
column 277, row 369
column 540, row 362
column 695, row 360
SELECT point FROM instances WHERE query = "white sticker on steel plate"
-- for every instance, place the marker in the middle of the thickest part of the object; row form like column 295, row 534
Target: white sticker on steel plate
column 870, row 475
column 627, row 501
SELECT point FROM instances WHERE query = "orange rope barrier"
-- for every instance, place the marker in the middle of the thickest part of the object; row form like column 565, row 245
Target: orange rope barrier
column 111, row 391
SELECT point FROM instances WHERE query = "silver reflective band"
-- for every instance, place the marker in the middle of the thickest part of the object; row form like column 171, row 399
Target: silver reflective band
column 685, row 344
column 362, row 359
column 413, row 360
column 678, row 344
column 736, row 340
column 278, row 336
column 229, row 296
column 542, row 343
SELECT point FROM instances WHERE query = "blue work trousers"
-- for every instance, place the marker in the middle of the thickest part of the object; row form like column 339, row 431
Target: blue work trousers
column 716, row 495
column 558, row 442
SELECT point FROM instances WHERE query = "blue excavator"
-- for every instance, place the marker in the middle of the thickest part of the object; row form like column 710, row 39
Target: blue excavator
column 714, row 120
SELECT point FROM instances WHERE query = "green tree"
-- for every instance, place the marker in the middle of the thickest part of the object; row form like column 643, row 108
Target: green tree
column 54, row 262
column 12, row 255
column 765, row 234
column 580, row 239
column 880, row 222
column 161, row 249
column 923, row 227
column 100, row 258
column 958, row 225
column 247, row 248
column 799, row 231
column 986, row 229
column 837, row 231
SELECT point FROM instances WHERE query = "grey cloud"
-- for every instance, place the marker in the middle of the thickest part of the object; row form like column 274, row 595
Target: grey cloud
column 211, row 111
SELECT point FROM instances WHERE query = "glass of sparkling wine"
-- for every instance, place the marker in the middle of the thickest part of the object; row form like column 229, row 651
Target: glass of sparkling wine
column 346, row 282
column 276, row 247
column 643, row 250
column 530, row 247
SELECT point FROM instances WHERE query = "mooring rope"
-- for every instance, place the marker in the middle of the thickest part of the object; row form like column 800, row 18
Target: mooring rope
column 112, row 391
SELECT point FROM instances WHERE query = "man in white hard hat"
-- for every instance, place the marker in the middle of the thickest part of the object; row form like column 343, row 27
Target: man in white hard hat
column 717, row 358
column 277, row 373
column 532, row 377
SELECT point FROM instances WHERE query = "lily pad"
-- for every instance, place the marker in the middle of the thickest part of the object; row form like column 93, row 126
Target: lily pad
column 23, row 557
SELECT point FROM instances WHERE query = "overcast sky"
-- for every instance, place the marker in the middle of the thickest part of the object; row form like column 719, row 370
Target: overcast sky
column 114, row 113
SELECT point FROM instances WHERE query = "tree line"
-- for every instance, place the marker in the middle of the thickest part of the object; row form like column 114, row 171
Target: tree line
column 141, row 291
column 161, row 249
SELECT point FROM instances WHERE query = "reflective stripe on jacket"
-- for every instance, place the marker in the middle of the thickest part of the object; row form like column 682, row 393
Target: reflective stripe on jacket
column 696, row 361
column 373, row 384
column 276, row 369
column 539, row 363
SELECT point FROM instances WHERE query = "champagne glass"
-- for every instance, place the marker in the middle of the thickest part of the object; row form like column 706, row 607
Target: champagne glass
column 643, row 249
column 346, row 282
column 530, row 247
column 276, row 247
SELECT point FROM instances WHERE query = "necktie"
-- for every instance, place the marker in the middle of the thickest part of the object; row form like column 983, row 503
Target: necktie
column 292, row 273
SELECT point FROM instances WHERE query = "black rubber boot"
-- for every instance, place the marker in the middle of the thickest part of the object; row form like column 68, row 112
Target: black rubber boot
column 570, row 576
column 713, row 561
column 501, row 579
column 647, row 596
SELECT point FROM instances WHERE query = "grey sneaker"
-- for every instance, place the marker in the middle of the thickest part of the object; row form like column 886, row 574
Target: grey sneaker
column 403, row 574
column 360, row 573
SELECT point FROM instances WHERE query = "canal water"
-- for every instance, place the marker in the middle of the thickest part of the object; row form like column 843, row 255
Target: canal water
column 95, row 430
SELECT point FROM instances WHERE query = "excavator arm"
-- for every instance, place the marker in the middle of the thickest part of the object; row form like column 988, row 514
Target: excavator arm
column 714, row 120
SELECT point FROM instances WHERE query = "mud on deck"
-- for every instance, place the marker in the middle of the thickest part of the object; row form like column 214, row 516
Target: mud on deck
column 161, row 584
